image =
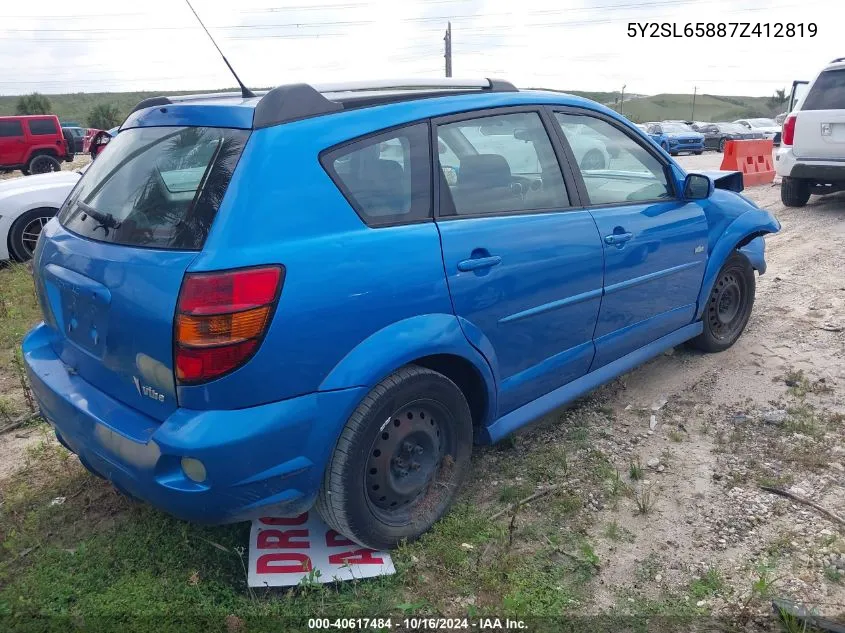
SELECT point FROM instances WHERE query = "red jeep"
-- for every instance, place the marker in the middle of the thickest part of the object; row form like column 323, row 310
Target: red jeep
column 34, row 144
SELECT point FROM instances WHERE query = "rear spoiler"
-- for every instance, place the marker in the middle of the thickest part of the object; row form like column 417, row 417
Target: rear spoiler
column 727, row 180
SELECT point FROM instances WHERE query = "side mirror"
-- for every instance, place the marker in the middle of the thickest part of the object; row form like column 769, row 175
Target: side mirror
column 697, row 187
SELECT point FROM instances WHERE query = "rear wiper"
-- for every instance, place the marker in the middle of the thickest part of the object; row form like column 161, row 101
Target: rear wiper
column 105, row 221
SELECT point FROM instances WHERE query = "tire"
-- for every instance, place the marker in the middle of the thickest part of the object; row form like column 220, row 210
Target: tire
column 794, row 192
column 722, row 146
column 699, row 152
column 593, row 160
column 729, row 305
column 25, row 231
column 43, row 164
column 377, row 489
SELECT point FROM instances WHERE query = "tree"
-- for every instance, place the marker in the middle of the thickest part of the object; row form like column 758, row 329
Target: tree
column 103, row 116
column 778, row 98
column 33, row 104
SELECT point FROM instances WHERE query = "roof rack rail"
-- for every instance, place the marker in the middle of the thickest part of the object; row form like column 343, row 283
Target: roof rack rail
column 299, row 101
column 837, row 60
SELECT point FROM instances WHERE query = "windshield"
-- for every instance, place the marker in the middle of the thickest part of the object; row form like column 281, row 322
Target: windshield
column 762, row 122
column 676, row 128
column 156, row 187
column 828, row 92
column 732, row 128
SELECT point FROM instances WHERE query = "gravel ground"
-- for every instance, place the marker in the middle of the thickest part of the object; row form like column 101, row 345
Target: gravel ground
column 78, row 161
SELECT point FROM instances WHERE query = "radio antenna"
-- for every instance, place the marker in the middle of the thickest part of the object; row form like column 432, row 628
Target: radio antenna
column 245, row 92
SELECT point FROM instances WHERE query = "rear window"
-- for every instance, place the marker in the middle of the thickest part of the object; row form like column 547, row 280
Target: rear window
column 156, row 187
column 11, row 128
column 828, row 92
column 386, row 178
column 40, row 127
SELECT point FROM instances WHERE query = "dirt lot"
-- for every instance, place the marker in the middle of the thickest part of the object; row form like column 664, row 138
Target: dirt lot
column 657, row 508
column 78, row 161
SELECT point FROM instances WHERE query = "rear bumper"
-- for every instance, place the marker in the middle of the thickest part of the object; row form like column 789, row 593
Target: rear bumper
column 786, row 164
column 261, row 460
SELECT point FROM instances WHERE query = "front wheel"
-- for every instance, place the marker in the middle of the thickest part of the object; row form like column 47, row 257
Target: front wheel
column 399, row 461
column 728, row 306
column 699, row 152
column 722, row 146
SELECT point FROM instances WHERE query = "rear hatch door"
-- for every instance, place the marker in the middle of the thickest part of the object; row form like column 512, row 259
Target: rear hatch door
column 108, row 273
column 820, row 123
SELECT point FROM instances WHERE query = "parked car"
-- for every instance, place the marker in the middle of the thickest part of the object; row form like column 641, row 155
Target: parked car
column 655, row 131
column 193, row 353
column 26, row 205
column 680, row 137
column 717, row 134
column 77, row 134
column 98, row 141
column 767, row 127
column 34, row 144
column 811, row 159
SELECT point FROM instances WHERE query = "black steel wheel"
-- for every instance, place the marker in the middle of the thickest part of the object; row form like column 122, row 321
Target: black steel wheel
column 399, row 461
column 728, row 306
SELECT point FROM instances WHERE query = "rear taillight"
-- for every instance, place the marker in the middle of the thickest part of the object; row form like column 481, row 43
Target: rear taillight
column 221, row 318
column 788, row 135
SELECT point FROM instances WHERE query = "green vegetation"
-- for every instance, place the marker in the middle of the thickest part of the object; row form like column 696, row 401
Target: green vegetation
column 104, row 116
column 78, row 106
column 33, row 104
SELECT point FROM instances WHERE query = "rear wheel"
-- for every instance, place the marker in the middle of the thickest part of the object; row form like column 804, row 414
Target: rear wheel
column 699, row 152
column 23, row 236
column 794, row 192
column 728, row 306
column 43, row 164
column 722, row 145
column 400, row 459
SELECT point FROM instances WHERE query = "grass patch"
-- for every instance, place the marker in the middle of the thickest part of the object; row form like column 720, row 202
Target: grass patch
column 645, row 498
column 19, row 309
column 648, row 568
column 635, row 470
column 614, row 532
column 676, row 436
column 709, row 584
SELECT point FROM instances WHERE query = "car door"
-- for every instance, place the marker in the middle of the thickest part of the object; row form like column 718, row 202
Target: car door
column 712, row 135
column 12, row 142
column 523, row 262
column 655, row 243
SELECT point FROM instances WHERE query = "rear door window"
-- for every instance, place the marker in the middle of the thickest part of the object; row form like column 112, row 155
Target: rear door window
column 11, row 128
column 387, row 177
column 42, row 127
column 828, row 92
column 157, row 187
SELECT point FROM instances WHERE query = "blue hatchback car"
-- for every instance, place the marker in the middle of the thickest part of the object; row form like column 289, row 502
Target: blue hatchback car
column 323, row 295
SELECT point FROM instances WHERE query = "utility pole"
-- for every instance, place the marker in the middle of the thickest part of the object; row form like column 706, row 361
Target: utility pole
column 622, row 101
column 448, row 55
column 694, row 91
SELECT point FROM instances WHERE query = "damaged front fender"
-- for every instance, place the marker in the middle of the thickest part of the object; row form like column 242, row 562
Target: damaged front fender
column 744, row 233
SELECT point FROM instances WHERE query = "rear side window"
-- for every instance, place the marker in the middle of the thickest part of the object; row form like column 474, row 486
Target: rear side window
column 156, row 187
column 386, row 178
column 40, row 127
column 828, row 92
column 11, row 128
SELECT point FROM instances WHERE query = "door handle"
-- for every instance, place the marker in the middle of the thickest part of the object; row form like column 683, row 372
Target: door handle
column 618, row 238
column 477, row 263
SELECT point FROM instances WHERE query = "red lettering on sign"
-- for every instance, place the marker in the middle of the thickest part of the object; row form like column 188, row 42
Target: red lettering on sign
column 333, row 539
column 302, row 518
column 278, row 539
column 283, row 563
column 357, row 557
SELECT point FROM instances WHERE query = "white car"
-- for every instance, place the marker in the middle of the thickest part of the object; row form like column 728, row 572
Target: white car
column 811, row 159
column 26, row 205
column 768, row 127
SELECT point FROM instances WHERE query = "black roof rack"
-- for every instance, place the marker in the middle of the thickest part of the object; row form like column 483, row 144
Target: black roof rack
column 300, row 101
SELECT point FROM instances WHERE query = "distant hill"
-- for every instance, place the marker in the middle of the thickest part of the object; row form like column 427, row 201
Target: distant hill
column 638, row 108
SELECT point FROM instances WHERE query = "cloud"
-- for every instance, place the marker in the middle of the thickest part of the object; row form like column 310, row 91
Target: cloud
column 570, row 44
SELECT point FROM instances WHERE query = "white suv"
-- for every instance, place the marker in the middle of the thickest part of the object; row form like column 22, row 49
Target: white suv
column 811, row 159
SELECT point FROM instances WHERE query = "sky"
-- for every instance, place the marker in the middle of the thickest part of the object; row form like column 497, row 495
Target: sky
column 54, row 46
